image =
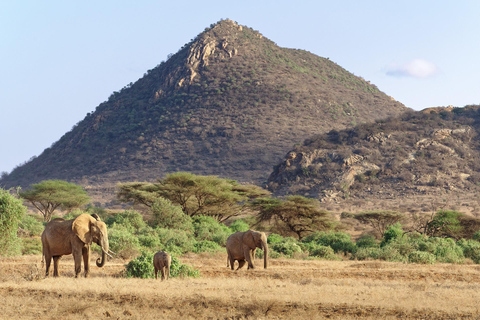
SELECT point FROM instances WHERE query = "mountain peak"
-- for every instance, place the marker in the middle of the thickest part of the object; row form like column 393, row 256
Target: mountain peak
column 229, row 103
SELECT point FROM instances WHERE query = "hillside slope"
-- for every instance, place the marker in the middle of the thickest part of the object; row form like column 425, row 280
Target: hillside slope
column 426, row 156
column 229, row 103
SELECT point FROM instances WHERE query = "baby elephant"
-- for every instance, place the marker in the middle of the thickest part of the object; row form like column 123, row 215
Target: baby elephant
column 162, row 262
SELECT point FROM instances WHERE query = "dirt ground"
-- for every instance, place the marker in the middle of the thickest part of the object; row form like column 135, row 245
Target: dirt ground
column 288, row 289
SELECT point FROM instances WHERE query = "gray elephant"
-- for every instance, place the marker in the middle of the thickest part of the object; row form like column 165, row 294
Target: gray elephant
column 241, row 246
column 162, row 261
column 62, row 237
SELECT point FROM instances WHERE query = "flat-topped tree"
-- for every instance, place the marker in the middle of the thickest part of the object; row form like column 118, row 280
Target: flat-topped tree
column 49, row 195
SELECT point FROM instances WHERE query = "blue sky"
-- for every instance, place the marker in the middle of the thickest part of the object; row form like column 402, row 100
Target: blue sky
column 60, row 59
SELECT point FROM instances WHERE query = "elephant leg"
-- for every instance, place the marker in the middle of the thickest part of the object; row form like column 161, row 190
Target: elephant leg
column 56, row 260
column 77, row 258
column 167, row 271
column 156, row 272
column 48, row 261
column 241, row 263
column 249, row 258
column 86, row 260
column 163, row 272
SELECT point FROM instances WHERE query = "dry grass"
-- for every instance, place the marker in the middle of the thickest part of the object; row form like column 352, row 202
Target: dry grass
column 288, row 289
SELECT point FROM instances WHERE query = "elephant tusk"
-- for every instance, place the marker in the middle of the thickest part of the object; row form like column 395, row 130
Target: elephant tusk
column 108, row 254
column 111, row 251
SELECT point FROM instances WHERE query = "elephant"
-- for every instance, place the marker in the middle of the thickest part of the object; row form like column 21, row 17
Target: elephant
column 241, row 246
column 62, row 237
column 162, row 261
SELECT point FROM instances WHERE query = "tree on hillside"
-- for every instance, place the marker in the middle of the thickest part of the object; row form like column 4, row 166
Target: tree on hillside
column 49, row 195
column 380, row 220
column 296, row 214
column 11, row 212
column 195, row 194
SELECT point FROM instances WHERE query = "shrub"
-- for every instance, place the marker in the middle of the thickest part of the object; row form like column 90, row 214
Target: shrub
column 142, row 267
column 239, row 225
column 421, row 257
column 471, row 249
column 31, row 225
column 31, row 245
column 170, row 216
column 366, row 241
column 392, row 232
column 389, row 253
column 206, row 246
column 288, row 246
column 338, row 241
column 177, row 269
column 207, row 228
column 367, row 253
column 324, row 252
column 274, row 238
column 130, row 219
column 447, row 250
column 122, row 241
column 11, row 212
column 175, row 241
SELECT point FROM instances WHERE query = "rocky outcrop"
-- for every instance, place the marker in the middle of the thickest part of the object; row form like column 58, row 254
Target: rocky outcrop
column 414, row 154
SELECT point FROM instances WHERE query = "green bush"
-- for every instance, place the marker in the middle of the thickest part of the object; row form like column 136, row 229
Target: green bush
column 130, row 219
column 11, row 212
column 31, row 245
column 338, row 241
column 177, row 269
column 324, row 252
column 446, row 250
column 367, row 253
column 170, row 216
column 206, row 246
column 122, row 241
column 366, row 241
column 176, row 241
column 393, row 232
column 389, row 253
column 142, row 267
column 476, row 236
column 274, row 238
column 471, row 249
column 207, row 228
column 148, row 238
column 239, row 225
column 288, row 246
column 31, row 225
column 421, row 257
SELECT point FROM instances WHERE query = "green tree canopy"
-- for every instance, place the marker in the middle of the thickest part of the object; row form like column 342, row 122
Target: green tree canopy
column 195, row 194
column 49, row 195
column 11, row 211
column 380, row 220
column 295, row 214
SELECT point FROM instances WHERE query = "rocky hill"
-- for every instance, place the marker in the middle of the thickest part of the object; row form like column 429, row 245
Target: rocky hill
column 229, row 103
column 408, row 161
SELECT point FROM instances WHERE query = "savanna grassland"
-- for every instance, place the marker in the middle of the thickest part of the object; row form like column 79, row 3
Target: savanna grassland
column 289, row 288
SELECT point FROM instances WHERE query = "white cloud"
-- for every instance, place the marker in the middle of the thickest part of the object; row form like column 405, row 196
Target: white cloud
column 417, row 68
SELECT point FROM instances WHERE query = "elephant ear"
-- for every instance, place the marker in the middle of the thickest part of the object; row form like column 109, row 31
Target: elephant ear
column 81, row 227
column 248, row 239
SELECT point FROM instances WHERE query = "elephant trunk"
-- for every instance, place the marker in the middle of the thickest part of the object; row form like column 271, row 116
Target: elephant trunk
column 104, row 245
column 265, row 254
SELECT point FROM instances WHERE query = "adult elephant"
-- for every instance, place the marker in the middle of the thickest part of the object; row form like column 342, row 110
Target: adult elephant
column 62, row 237
column 241, row 246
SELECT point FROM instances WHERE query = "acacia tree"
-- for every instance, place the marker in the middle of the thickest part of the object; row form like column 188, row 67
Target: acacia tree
column 296, row 214
column 195, row 194
column 380, row 220
column 11, row 211
column 49, row 195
